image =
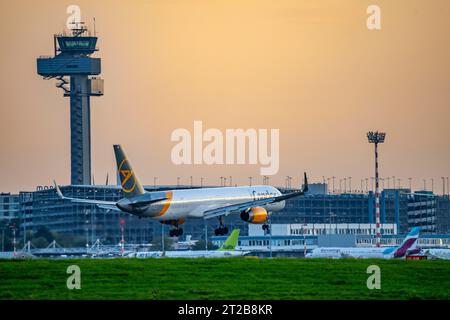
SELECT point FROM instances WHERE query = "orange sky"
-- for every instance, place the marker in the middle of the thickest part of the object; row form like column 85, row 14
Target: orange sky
column 309, row 68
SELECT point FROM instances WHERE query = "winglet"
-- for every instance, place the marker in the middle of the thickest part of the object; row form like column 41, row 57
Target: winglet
column 305, row 184
column 58, row 191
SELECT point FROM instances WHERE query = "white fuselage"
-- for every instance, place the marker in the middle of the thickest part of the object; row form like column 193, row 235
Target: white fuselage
column 443, row 254
column 336, row 253
column 189, row 254
column 192, row 203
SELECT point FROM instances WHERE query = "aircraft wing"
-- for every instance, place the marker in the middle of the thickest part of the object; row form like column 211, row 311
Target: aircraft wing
column 239, row 207
column 108, row 204
column 234, row 208
column 108, row 207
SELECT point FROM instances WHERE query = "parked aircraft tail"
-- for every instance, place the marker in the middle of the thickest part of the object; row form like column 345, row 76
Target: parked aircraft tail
column 231, row 242
column 408, row 244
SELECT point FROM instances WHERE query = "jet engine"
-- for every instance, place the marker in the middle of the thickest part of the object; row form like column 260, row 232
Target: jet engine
column 255, row 215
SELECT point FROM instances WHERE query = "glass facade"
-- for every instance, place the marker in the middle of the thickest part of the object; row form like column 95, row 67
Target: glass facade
column 9, row 206
column 429, row 211
column 45, row 208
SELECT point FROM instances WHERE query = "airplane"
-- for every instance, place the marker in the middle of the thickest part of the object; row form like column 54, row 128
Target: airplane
column 254, row 203
column 225, row 251
column 408, row 247
column 441, row 254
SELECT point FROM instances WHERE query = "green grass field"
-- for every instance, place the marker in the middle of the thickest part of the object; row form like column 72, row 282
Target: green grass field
column 240, row 278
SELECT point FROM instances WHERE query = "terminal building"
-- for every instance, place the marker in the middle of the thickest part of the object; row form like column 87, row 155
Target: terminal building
column 43, row 208
column 429, row 212
column 9, row 206
column 316, row 213
column 294, row 240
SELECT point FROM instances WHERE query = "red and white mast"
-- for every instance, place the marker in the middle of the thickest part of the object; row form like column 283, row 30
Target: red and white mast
column 376, row 138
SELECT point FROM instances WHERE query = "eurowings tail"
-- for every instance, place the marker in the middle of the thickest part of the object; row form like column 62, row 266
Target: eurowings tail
column 408, row 244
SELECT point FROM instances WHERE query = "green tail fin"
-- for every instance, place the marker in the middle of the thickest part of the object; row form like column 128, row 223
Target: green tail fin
column 130, row 184
column 231, row 242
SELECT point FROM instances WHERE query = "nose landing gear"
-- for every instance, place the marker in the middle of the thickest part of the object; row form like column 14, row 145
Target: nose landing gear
column 221, row 231
column 266, row 228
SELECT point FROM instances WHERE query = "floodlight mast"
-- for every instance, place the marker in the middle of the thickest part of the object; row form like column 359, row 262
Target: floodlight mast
column 376, row 138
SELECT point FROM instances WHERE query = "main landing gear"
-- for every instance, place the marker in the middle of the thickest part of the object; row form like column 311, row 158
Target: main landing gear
column 176, row 232
column 221, row 230
column 266, row 225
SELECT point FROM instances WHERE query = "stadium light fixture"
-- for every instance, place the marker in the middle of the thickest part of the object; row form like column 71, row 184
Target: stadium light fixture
column 376, row 138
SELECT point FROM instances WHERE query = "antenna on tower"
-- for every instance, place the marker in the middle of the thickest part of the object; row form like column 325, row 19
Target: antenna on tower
column 95, row 32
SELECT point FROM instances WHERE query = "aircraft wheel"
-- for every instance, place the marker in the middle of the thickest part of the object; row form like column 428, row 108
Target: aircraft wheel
column 221, row 231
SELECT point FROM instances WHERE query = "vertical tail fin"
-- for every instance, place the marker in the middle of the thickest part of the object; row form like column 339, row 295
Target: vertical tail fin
column 130, row 184
column 231, row 242
column 408, row 243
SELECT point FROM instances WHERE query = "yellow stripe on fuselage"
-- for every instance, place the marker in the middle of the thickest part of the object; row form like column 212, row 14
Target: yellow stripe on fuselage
column 166, row 205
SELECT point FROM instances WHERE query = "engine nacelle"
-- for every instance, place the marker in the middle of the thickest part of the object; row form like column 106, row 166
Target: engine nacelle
column 255, row 215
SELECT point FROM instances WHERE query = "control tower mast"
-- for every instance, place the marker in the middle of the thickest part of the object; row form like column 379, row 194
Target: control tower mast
column 72, row 65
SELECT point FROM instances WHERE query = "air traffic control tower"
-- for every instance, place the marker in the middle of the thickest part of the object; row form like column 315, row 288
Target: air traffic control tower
column 74, row 69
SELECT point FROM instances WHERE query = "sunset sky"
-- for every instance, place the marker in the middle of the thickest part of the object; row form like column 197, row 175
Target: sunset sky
column 309, row 68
